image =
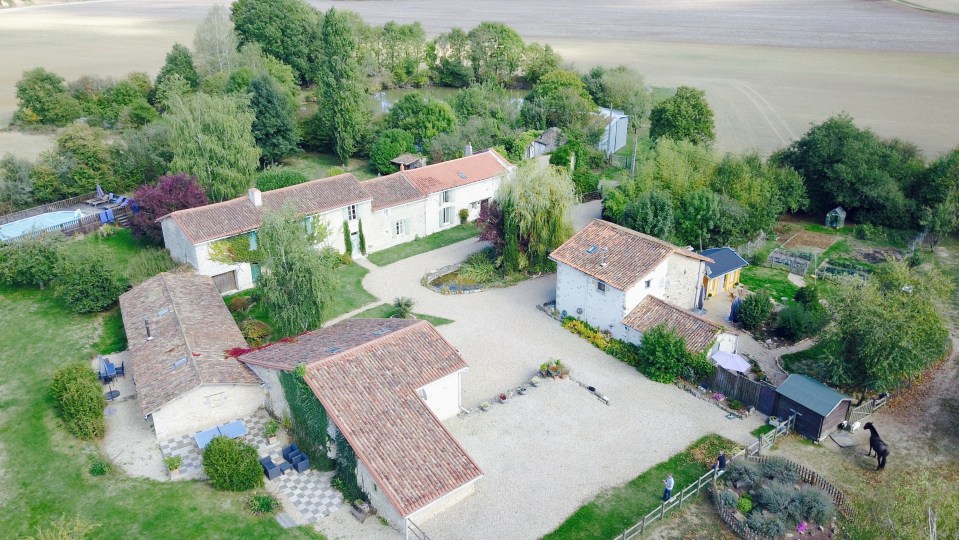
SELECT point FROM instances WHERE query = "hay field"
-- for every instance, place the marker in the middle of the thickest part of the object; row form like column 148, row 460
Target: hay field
column 769, row 67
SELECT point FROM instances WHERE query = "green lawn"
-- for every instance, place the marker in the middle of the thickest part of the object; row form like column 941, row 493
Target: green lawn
column 45, row 470
column 422, row 245
column 774, row 280
column 808, row 362
column 617, row 509
column 385, row 311
column 761, row 430
column 314, row 165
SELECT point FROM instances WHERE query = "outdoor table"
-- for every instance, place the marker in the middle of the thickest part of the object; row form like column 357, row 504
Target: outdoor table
column 203, row 438
column 111, row 395
column 233, row 429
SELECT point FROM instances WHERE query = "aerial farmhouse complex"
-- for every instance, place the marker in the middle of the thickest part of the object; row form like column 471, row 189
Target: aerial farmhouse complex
column 389, row 210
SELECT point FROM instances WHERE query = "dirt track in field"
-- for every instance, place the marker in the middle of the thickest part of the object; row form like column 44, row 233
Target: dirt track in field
column 769, row 67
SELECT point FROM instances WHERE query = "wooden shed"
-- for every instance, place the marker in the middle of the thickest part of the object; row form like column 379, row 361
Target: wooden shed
column 819, row 409
column 836, row 218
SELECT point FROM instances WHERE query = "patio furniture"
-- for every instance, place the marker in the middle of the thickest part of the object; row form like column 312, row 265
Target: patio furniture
column 284, row 466
column 289, row 450
column 203, row 438
column 101, row 198
column 121, row 370
column 234, row 429
column 111, row 395
column 301, row 463
column 270, row 469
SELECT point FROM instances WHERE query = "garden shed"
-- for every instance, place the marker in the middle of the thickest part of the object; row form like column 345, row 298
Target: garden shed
column 819, row 409
column 836, row 218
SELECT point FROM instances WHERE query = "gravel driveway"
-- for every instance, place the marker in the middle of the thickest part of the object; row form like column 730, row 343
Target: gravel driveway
column 548, row 452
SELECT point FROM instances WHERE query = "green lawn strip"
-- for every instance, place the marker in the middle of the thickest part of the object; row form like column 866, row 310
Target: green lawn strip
column 617, row 509
column 314, row 166
column 822, row 229
column 422, row 245
column 385, row 311
column 774, row 280
column 761, row 430
column 350, row 294
column 114, row 337
column 46, row 470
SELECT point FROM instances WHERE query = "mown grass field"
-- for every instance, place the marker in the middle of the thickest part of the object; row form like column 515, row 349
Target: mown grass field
column 385, row 311
column 422, row 245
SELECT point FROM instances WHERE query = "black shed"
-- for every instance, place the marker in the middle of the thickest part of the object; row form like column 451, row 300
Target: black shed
column 819, row 409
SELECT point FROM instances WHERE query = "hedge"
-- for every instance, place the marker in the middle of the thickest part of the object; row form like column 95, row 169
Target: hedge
column 232, row 465
column 79, row 396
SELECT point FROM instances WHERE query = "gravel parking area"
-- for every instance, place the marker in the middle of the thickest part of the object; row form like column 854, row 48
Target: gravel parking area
column 546, row 453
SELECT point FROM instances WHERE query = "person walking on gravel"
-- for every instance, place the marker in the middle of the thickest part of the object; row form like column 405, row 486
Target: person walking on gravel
column 669, row 482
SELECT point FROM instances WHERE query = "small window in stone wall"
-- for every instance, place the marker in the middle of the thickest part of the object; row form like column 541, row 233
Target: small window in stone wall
column 601, row 287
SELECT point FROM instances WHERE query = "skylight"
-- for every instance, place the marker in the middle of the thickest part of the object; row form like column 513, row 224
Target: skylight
column 461, row 175
column 334, row 349
column 163, row 312
column 380, row 331
column 179, row 362
column 591, row 249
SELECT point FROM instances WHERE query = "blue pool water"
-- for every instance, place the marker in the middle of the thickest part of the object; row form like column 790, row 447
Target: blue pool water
column 37, row 223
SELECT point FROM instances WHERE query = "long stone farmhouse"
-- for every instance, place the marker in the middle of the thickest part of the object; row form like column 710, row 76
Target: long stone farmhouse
column 626, row 282
column 390, row 209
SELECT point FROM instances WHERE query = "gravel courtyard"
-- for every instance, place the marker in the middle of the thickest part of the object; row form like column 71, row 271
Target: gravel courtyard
column 545, row 453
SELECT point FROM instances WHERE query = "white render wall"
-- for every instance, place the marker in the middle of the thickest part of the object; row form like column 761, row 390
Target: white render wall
column 575, row 290
column 378, row 499
column 637, row 293
column 444, row 502
column 175, row 240
column 207, row 267
column 275, row 400
column 463, row 196
column 205, row 407
column 443, row 395
column 684, row 280
column 379, row 229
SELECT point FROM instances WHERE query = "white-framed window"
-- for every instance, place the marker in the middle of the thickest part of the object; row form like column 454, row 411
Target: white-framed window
column 401, row 227
column 601, row 287
column 649, row 283
column 351, row 212
column 474, row 205
column 446, row 215
column 446, row 197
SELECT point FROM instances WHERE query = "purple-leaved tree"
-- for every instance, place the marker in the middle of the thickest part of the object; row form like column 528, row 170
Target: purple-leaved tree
column 171, row 193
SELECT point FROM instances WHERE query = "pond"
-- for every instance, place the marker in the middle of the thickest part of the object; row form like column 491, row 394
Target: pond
column 453, row 283
column 385, row 99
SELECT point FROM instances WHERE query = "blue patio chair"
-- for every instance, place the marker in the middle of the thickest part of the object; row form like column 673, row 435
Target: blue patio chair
column 289, row 450
column 121, row 370
column 302, row 463
column 269, row 468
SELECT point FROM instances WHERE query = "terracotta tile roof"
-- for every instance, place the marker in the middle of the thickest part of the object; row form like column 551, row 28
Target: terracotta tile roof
column 369, row 390
column 238, row 216
column 698, row 332
column 458, row 172
column 391, row 190
column 188, row 320
column 324, row 342
column 630, row 256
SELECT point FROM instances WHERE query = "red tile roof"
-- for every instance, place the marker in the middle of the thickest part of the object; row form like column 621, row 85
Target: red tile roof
column 391, row 190
column 698, row 332
column 458, row 172
column 238, row 216
column 188, row 320
column 630, row 256
column 369, row 388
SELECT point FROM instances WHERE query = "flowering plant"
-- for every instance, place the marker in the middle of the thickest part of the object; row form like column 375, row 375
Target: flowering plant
column 802, row 527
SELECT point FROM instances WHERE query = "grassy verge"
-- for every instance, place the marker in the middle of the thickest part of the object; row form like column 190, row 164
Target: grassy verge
column 385, row 311
column 422, row 245
column 616, row 510
column 45, row 470
column 774, row 280
column 808, row 362
column 114, row 337
column 761, row 430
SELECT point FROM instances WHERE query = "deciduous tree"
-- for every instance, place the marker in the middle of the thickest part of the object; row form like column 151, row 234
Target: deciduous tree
column 16, row 189
column 140, row 156
column 496, row 52
column 179, row 61
column 286, row 29
column 686, row 116
column 448, row 58
column 215, row 43
column 42, row 98
column 212, row 140
column 171, row 193
column 421, row 117
column 388, row 145
column 651, row 213
column 621, row 88
column 559, row 99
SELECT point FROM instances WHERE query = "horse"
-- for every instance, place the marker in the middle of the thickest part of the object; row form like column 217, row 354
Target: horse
column 877, row 444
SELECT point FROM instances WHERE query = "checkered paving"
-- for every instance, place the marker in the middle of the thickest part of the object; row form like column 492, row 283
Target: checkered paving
column 185, row 445
column 310, row 491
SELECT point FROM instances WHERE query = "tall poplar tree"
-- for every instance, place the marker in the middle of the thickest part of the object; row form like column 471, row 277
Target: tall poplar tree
column 274, row 122
column 343, row 113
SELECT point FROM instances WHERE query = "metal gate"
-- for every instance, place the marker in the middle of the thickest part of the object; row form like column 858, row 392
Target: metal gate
column 856, row 414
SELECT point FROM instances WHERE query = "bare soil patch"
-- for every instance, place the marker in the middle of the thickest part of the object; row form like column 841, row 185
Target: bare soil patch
column 810, row 241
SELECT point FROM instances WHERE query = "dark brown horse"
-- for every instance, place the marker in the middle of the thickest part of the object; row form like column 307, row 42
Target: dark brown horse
column 876, row 444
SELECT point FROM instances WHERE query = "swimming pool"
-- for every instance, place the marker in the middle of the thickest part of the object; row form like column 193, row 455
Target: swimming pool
column 37, row 223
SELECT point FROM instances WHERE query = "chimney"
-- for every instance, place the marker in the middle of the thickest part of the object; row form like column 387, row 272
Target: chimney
column 256, row 196
column 146, row 322
column 602, row 254
column 469, row 149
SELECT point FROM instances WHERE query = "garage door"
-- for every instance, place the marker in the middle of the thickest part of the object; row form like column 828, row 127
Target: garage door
column 225, row 282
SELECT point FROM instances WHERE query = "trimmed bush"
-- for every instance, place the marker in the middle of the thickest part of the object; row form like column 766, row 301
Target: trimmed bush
column 232, row 465
column 79, row 396
column 771, row 526
column 274, row 178
column 745, row 473
column 755, row 310
column 239, row 303
column 745, row 503
column 727, row 499
column 255, row 332
column 800, row 321
column 775, row 498
column 85, row 284
column 808, row 295
column 812, row 504
column 781, row 470
column 262, row 503
column 402, row 307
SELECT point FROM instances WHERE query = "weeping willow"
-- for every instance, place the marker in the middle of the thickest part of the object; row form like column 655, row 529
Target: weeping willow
column 536, row 206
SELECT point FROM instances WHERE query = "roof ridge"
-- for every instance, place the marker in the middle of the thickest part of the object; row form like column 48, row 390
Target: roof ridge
column 176, row 312
column 669, row 245
column 366, row 344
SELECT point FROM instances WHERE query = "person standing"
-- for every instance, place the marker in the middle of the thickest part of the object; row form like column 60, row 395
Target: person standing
column 721, row 461
column 669, row 482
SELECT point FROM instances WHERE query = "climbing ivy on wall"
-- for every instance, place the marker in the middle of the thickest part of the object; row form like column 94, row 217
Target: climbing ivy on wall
column 235, row 249
column 345, row 475
column 308, row 419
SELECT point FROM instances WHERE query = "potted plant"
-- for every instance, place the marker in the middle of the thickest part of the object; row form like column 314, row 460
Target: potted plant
column 564, row 372
column 503, row 398
column 774, row 421
column 544, row 369
column 173, row 465
column 270, row 430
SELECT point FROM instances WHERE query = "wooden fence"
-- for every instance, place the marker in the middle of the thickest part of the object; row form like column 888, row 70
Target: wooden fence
column 856, row 414
column 708, row 479
column 43, row 209
column 736, row 386
column 83, row 225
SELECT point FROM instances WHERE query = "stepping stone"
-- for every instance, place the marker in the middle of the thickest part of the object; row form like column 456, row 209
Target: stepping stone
column 285, row 520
